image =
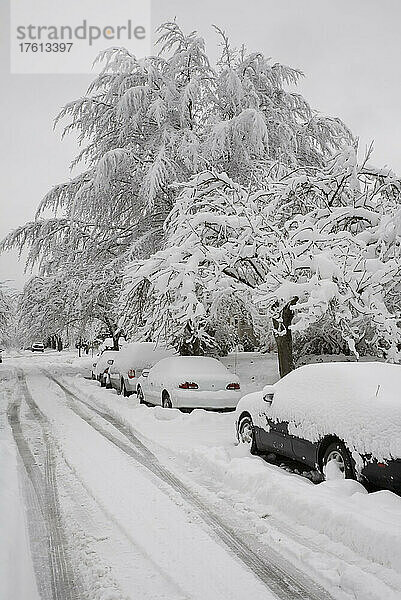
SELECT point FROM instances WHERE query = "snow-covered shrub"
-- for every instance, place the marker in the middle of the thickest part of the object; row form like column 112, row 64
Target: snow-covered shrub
column 232, row 327
column 321, row 338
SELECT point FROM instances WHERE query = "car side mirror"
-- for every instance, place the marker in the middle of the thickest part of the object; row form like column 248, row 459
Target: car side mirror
column 145, row 372
column 110, row 361
column 268, row 394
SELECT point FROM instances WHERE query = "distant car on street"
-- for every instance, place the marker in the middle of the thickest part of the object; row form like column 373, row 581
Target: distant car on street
column 100, row 368
column 343, row 419
column 189, row 382
column 38, row 347
column 132, row 359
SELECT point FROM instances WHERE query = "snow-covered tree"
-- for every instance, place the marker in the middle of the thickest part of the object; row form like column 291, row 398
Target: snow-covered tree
column 42, row 310
column 305, row 243
column 77, row 270
column 64, row 305
column 146, row 124
column 8, row 301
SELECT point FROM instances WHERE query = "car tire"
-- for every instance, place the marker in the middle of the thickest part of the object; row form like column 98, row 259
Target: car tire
column 246, row 432
column 140, row 395
column 338, row 453
column 124, row 390
column 166, row 400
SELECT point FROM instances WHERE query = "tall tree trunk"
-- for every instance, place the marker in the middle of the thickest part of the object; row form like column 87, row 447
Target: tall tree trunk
column 284, row 341
column 190, row 345
column 115, row 332
column 116, row 338
column 59, row 344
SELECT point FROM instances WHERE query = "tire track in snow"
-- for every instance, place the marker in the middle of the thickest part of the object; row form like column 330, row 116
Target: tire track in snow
column 284, row 580
column 46, row 527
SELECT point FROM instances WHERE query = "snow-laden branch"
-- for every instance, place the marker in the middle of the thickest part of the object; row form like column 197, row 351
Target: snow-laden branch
column 339, row 258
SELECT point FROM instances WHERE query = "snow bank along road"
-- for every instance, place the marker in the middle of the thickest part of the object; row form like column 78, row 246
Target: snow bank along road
column 114, row 515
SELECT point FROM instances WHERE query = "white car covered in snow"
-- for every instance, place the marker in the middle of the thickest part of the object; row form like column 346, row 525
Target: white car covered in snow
column 100, row 367
column 131, row 360
column 343, row 419
column 38, row 347
column 190, row 382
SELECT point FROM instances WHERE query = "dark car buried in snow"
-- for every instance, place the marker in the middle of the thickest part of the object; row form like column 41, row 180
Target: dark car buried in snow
column 343, row 419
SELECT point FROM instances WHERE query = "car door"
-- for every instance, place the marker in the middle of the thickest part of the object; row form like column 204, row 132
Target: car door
column 151, row 389
column 304, row 450
column 273, row 436
column 114, row 375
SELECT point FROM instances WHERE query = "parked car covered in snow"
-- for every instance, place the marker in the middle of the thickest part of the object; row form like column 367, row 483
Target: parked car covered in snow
column 100, row 367
column 132, row 359
column 343, row 419
column 190, row 382
column 38, row 347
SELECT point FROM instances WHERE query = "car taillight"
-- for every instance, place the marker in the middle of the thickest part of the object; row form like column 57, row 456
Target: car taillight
column 233, row 386
column 131, row 373
column 188, row 385
column 106, row 370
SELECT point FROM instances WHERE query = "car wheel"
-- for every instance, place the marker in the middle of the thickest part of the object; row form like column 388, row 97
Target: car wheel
column 124, row 390
column 166, row 400
column 140, row 395
column 337, row 462
column 246, row 433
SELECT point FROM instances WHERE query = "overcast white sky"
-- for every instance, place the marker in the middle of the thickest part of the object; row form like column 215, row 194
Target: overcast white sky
column 349, row 50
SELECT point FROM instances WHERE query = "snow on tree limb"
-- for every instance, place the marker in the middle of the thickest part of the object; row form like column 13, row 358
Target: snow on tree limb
column 306, row 239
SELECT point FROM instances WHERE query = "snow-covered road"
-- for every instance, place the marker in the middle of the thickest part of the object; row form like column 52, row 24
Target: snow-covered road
column 126, row 502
